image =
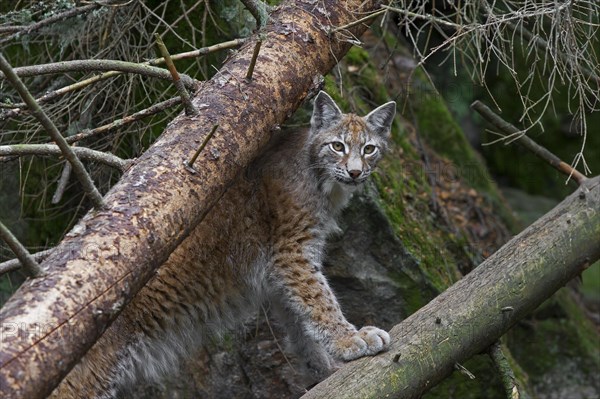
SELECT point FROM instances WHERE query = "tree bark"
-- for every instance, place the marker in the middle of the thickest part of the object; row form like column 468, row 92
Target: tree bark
column 476, row 311
column 110, row 254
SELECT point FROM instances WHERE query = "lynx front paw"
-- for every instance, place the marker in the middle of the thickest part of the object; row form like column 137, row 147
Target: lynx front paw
column 367, row 341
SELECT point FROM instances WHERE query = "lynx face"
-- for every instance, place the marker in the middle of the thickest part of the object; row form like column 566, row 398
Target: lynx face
column 347, row 147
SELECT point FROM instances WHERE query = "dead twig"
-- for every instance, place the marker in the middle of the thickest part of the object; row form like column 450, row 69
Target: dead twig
column 253, row 60
column 18, row 108
column 25, row 258
column 190, row 109
column 156, row 108
column 190, row 163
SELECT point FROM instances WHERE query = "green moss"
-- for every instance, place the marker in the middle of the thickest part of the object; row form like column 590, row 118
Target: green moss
column 357, row 56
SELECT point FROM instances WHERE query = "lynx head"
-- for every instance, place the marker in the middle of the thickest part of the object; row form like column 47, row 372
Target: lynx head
column 346, row 147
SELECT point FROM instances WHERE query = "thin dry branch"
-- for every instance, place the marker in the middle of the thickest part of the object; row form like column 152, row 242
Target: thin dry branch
column 27, row 29
column 15, row 264
column 86, row 154
column 559, row 45
column 156, row 108
column 25, row 258
column 100, row 65
column 366, row 20
column 82, row 175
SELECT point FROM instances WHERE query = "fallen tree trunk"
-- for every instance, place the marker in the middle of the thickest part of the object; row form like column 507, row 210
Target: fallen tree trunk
column 110, row 254
column 476, row 311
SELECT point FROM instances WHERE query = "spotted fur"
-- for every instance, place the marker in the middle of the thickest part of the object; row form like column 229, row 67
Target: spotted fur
column 264, row 241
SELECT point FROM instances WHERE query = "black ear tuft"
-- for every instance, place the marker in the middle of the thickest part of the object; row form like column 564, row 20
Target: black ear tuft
column 380, row 119
column 325, row 112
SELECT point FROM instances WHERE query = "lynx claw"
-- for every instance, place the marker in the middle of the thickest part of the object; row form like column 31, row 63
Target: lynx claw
column 365, row 342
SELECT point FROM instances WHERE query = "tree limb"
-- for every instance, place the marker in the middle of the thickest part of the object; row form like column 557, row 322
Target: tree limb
column 113, row 253
column 477, row 310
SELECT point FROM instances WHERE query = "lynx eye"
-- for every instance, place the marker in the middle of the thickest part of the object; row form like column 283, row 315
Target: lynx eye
column 337, row 146
column 369, row 149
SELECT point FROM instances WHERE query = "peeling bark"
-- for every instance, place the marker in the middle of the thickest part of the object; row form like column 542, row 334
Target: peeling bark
column 110, row 254
column 472, row 314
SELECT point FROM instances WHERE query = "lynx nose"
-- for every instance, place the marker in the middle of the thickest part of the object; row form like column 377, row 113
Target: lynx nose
column 354, row 173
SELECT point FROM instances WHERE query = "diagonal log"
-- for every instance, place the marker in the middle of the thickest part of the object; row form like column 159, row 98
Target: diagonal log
column 50, row 322
column 476, row 311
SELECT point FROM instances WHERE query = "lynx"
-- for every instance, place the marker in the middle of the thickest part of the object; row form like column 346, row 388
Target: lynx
column 264, row 241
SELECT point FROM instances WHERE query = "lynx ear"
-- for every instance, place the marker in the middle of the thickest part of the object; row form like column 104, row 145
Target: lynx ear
column 325, row 112
column 380, row 119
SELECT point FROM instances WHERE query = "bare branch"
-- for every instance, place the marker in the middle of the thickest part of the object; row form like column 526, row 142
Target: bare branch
column 26, row 29
column 25, row 258
column 15, row 264
column 366, row 20
column 100, row 65
column 156, row 108
column 50, row 127
column 86, row 154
